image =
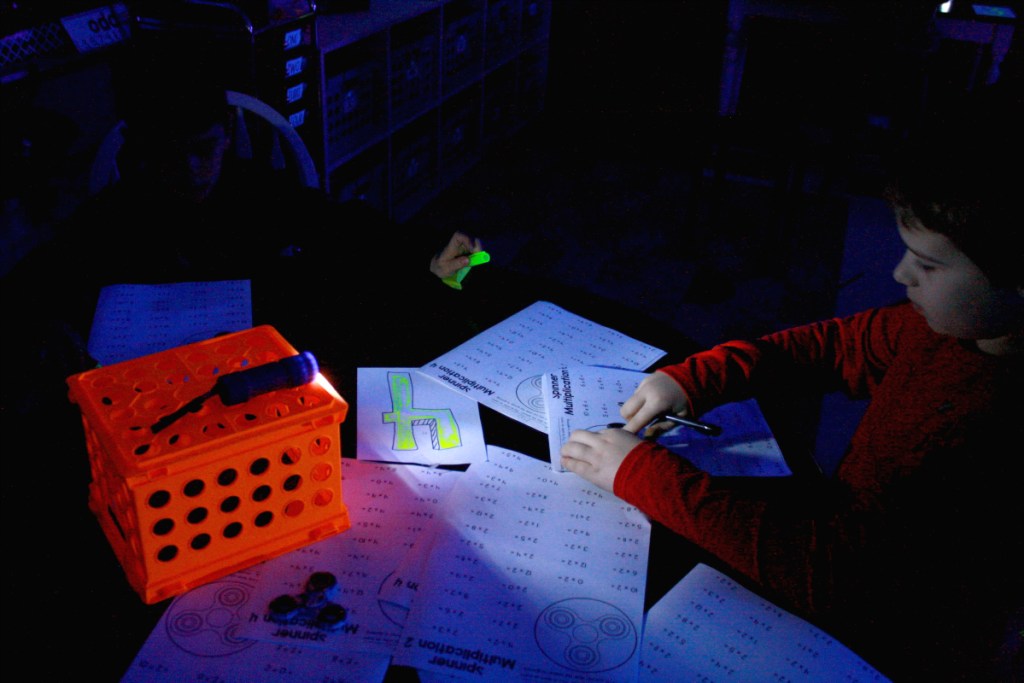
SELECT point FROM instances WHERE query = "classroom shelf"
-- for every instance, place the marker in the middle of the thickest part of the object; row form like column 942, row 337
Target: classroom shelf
column 413, row 93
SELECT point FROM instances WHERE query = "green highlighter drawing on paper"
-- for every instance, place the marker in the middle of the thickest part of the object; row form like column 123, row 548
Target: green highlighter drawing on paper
column 440, row 422
column 404, row 417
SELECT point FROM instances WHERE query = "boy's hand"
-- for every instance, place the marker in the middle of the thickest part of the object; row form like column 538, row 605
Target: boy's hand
column 455, row 255
column 596, row 456
column 657, row 394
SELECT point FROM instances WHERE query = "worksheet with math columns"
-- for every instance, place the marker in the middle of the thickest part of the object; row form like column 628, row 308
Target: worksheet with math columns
column 533, row 575
column 503, row 366
column 710, row 628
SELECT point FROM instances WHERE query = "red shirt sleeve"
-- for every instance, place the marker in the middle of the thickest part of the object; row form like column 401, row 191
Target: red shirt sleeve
column 849, row 353
column 772, row 530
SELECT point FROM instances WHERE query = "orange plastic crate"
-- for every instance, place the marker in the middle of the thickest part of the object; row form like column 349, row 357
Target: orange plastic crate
column 220, row 489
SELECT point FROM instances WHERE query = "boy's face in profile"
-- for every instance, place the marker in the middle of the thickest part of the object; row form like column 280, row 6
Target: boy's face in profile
column 950, row 290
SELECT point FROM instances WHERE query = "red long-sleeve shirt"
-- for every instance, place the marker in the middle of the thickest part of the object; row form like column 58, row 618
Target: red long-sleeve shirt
column 906, row 553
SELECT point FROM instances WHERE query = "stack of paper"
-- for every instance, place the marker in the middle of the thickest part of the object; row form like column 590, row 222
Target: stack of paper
column 135, row 320
column 589, row 397
column 510, row 570
column 504, row 367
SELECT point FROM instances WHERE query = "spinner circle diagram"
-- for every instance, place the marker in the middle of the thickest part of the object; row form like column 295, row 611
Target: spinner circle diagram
column 393, row 612
column 584, row 634
column 530, row 393
column 207, row 623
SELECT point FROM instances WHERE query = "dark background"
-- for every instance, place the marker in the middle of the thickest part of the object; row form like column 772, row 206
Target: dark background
column 631, row 101
column 641, row 72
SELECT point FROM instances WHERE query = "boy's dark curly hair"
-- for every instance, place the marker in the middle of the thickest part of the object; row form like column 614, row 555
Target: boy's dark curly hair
column 959, row 174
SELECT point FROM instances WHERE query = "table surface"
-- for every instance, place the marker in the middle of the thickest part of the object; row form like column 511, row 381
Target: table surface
column 73, row 616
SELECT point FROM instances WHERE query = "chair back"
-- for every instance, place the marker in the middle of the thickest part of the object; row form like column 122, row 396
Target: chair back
column 261, row 132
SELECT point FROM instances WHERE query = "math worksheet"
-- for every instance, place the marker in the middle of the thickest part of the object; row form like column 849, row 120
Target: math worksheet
column 390, row 506
column 136, row 320
column 503, row 367
column 197, row 640
column 404, row 417
column 708, row 627
column 589, row 397
column 532, row 576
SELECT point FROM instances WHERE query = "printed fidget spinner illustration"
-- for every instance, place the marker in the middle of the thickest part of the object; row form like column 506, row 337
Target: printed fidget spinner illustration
column 584, row 634
column 312, row 607
column 207, row 621
column 530, row 393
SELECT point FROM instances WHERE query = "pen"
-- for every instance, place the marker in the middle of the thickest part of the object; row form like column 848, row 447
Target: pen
column 709, row 429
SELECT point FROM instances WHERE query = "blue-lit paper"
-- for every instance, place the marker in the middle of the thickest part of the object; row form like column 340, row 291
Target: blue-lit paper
column 136, row 320
column 994, row 11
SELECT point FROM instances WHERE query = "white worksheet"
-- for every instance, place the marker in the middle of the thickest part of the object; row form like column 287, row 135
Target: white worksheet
column 532, row 576
column 400, row 591
column 136, row 320
column 708, row 627
column 503, row 366
column 198, row 640
column 404, row 417
column 391, row 508
column 745, row 447
column 589, row 397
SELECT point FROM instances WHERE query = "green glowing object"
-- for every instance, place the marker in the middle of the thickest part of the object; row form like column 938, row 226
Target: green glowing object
column 444, row 430
column 475, row 259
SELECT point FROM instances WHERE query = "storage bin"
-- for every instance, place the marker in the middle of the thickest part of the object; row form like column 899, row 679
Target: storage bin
column 219, row 489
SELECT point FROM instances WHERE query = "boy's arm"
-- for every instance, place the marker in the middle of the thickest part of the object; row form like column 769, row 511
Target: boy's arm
column 850, row 353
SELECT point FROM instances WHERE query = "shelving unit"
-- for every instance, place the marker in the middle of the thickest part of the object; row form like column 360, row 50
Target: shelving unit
column 264, row 49
column 413, row 93
column 395, row 102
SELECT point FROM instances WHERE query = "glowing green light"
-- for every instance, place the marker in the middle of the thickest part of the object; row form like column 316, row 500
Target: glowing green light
column 475, row 259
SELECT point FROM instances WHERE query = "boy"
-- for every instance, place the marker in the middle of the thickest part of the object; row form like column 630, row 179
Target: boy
column 907, row 555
